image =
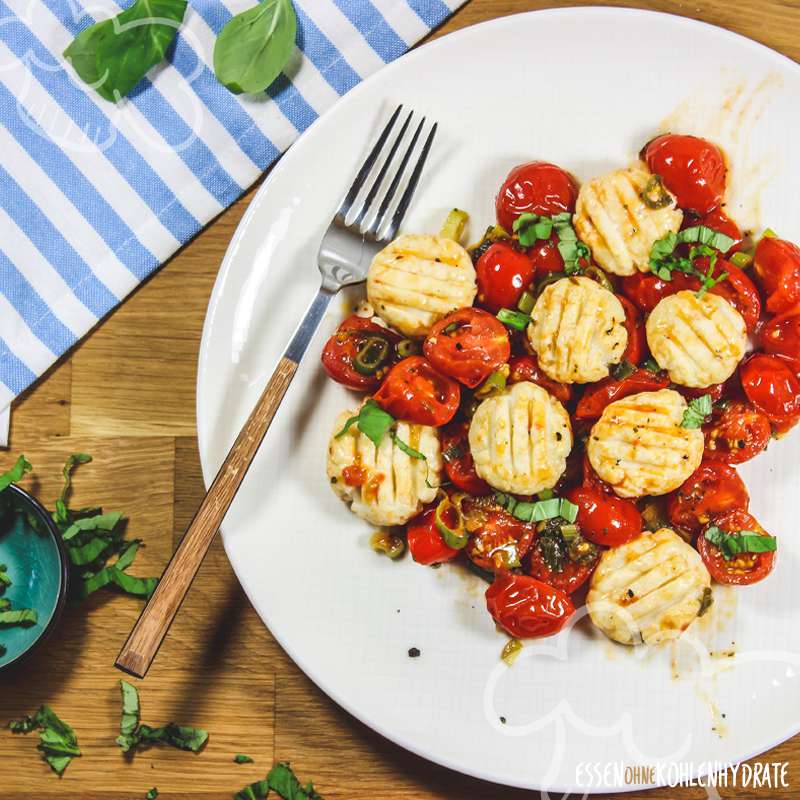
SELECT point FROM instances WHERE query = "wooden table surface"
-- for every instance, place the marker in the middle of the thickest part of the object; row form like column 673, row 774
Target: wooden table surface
column 127, row 395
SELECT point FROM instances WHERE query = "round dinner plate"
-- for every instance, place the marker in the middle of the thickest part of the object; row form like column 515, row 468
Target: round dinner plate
column 584, row 88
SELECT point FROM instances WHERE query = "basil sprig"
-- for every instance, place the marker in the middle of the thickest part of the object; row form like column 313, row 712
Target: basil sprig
column 254, row 46
column 375, row 423
column 697, row 412
column 732, row 544
column 112, row 56
column 58, row 743
column 531, row 228
column 540, row 510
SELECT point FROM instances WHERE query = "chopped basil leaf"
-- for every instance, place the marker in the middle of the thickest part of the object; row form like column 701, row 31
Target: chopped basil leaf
column 282, row 780
column 372, row 421
column 514, row 319
column 540, row 510
column 239, row 758
column 623, row 370
column 407, row 449
column 57, row 741
column 130, row 709
column 24, row 617
column 98, row 522
column 651, row 365
column 15, row 474
column 255, row 791
column 152, row 794
column 732, row 544
column 697, row 412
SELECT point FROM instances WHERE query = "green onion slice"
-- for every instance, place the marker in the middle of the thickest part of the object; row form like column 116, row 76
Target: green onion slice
column 514, row 319
column 494, row 384
column 450, row 522
column 454, row 224
column 741, row 259
column 407, row 347
column 526, row 303
column 372, row 354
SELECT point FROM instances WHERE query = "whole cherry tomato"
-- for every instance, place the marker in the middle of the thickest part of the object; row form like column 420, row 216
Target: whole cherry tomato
column 736, row 433
column 425, row 543
column 526, row 368
column 503, row 274
column 501, row 542
column 646, row 290
column 340, row 357
column 535, row 188
column 605, row 519
column 717, row 220
column 713, row 488
column 601, row 394
column 771, row 386
column 743, row 569
column 781, row 337
column 468, row 345
column 777, row 265
column 415, row 392
column 637, row 339
column 524, row 607
column 546, row 257
column 693, row 169
column 458, row 463
column 571, row 577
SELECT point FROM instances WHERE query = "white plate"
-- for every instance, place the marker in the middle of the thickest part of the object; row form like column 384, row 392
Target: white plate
column 584, row 88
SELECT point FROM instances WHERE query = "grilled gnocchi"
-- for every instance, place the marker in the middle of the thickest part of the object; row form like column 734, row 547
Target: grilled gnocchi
column 577, row 329
column 466, row 438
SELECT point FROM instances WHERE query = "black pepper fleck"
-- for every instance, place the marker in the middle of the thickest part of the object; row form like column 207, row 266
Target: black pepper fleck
column 413, row 652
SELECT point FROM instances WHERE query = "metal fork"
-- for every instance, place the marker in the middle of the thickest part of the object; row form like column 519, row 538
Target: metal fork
column 344, row 257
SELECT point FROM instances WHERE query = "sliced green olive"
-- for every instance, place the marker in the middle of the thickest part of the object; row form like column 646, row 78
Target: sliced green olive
column 372, row 354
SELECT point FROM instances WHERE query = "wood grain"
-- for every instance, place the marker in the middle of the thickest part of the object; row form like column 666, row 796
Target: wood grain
column 141, row 647
column 126, row 394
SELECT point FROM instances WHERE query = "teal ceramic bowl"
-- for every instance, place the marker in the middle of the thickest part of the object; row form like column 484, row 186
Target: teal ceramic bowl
column 36, row 563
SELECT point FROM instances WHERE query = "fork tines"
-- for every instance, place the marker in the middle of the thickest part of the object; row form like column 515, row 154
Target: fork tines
column 384, row 223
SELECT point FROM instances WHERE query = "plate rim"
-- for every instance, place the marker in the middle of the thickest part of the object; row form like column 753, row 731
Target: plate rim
column 214, row 301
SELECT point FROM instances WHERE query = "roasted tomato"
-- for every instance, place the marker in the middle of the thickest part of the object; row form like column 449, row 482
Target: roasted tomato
column 781, row 337
column 571, row 577
column 468, row 345
column 744, row 568
column 546, row 257
column 604, row 518
column 717, row 220
column 458, row 463
column 534, row 188
column 716, row 390
column 524, row 607
column 777, row 265
column 351, row 354
column 425, row 543
column 599, row 395
column 503, row 274
column 526, row 368
column 646, row 290
column 736, row 433
column 712, row 489
column 501, row 542
column 637, row 338
column 772, row 387
column 693, row 169
column 415, row 392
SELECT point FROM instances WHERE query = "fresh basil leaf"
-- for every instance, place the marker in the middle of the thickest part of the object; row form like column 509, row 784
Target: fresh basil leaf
column 697, row 412
column 706, row 236
column 82, row 52
column 127, row 556
column 16, row 473
column 240, row 758
column 407, row 449
column 254, row 47
column 663, row 247
column 372, row 421
column 282, row 780
column 732, row 544
column 57, row 741
column 25, row 617
column 255, row 791
column 140, row 587
column 99, row 522
column 89, row 552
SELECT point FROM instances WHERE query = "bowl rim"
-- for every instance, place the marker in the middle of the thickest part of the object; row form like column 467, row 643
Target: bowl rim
column 43, row 516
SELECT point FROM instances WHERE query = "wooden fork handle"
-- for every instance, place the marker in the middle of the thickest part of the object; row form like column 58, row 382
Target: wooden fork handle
column 139, row 651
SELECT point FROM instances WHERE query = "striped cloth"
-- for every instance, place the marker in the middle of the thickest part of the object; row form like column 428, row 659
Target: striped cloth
column 93, row 196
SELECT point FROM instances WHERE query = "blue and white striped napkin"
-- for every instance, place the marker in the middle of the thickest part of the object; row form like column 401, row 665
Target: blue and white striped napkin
column 93, row 196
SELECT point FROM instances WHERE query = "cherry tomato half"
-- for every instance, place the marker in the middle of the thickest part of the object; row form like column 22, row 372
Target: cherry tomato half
column 415, row 392
column 771, row 386
column 741, row 570
column 646, row 290
column 777, row 265
column 571, row 577
column 342, row 349
column 526, row 368
column 599, row 395
column 637, row 338
column 781, row 337
column 535, row 188
column 458, row 463
column 524, row 607
column 501, row 542
column 503, row 274
column 425, row 543
column 693, row 169
column 605, row 519
column 468, row 345
column 736, row 433
column 713, row 488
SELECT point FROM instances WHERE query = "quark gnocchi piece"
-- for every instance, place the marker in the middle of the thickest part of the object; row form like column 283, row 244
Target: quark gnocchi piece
column 699, row 341
column 577, row 330
column 638, row 445
column 384, row 485
column 417, row 280
column 648, row 590
column 618, row 226
column 520, row 439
